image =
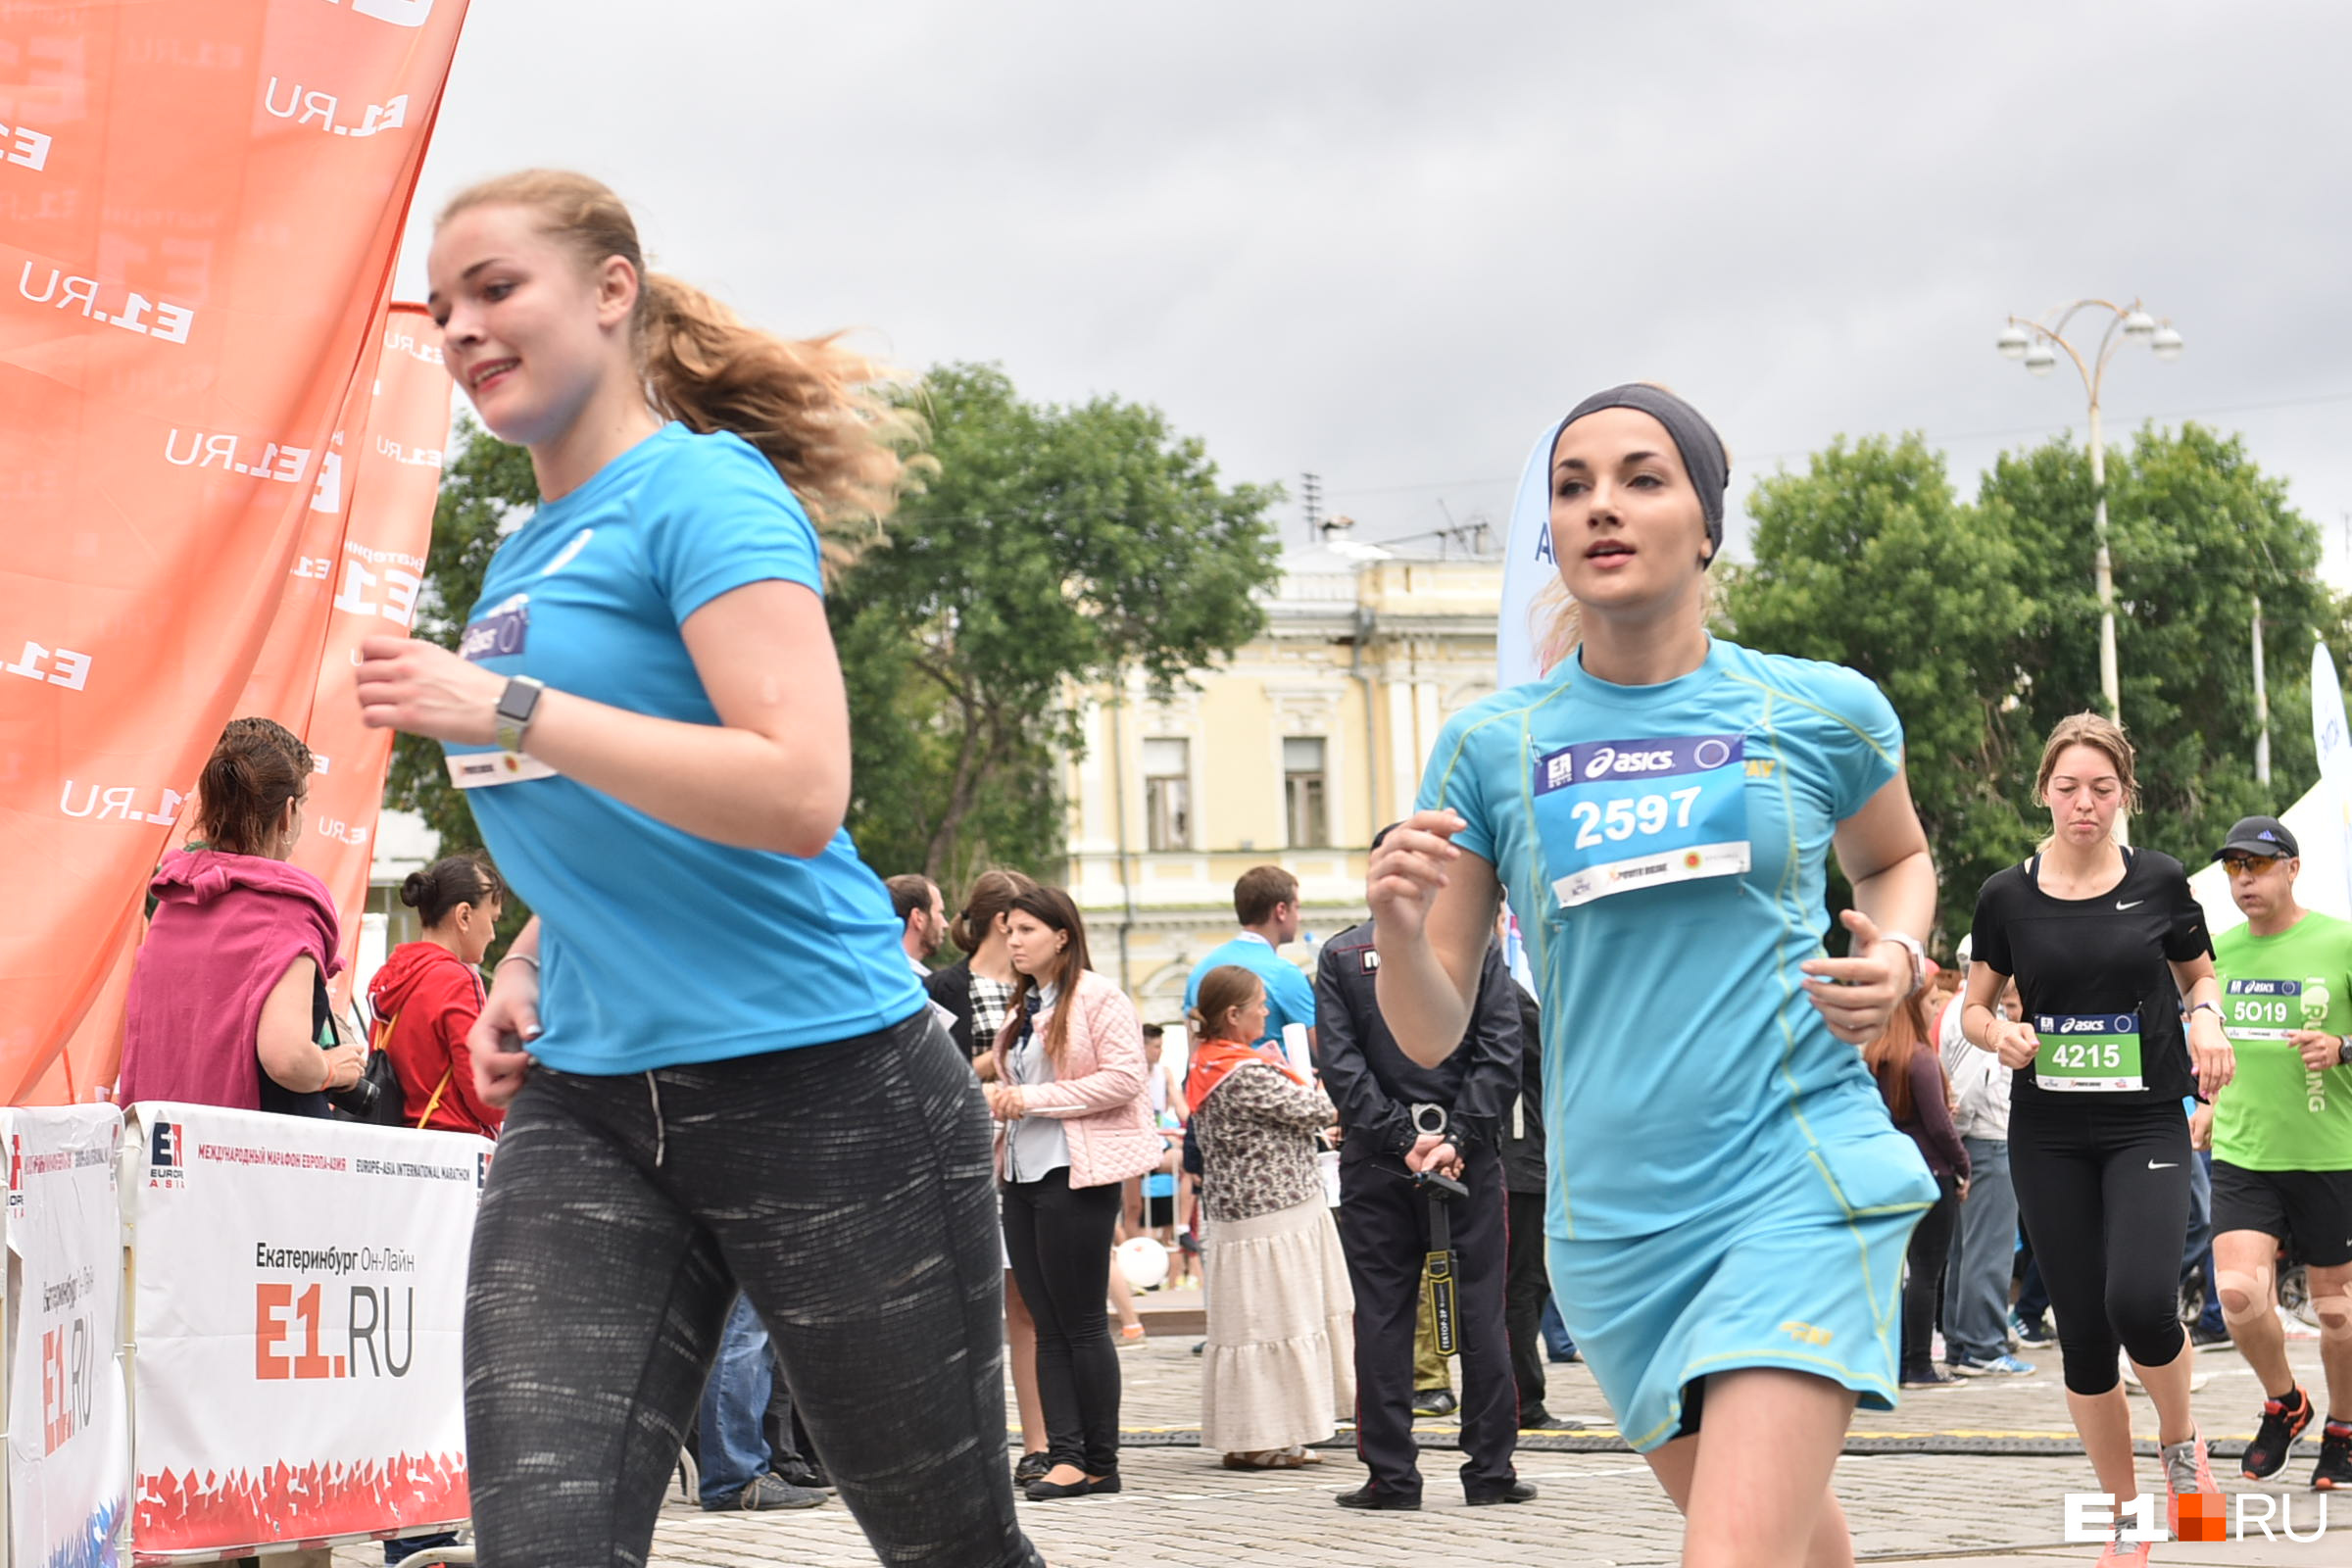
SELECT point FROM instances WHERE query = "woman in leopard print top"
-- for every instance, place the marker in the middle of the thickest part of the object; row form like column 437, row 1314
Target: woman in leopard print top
column 1280, row 1361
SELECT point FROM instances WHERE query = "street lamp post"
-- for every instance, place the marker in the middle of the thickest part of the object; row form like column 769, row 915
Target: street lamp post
column 2038, row 344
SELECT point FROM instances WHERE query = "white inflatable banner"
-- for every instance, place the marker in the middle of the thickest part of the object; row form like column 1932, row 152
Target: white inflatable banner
column 2336, row 750
column 69, row 1420
column 1526, row 566
column 299, row 1293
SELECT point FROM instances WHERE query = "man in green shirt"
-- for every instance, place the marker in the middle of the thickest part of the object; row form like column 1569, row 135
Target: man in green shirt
column 2283, row 1140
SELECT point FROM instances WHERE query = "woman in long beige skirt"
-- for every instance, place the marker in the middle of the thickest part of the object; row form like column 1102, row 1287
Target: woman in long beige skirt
column 1280, row 1361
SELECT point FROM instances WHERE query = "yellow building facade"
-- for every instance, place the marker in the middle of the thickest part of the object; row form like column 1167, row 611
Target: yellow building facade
column 1294, row 753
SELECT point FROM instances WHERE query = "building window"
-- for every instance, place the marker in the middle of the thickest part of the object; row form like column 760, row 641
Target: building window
column 1303, row 792
column 1168, row 793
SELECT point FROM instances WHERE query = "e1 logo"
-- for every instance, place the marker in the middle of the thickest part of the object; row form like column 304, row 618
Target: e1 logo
column 67, row 1387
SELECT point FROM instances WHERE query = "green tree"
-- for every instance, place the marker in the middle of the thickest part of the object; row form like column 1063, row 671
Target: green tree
column 1057, row 548
column 1870, row 561
column 2197, row 531
column 1981, row 623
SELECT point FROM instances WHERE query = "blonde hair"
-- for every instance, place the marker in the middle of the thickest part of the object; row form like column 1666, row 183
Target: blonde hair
column 817, row 411
column 2103, row 735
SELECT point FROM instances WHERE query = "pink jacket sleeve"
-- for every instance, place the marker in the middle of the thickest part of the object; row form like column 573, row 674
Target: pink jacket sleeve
column 1106, row 1028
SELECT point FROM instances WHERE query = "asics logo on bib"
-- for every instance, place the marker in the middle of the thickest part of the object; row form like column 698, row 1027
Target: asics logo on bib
column 2122, row 1024
column 1608, row 759
column 1646, row 759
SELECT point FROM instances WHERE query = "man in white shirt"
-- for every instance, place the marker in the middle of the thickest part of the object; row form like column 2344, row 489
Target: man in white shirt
column 1976, row 1286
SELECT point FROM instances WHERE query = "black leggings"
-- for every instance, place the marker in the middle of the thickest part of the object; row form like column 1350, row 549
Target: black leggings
column 2103, row 1192
column 1931, row 1249
column 1059, row 1238
column 845, row 1189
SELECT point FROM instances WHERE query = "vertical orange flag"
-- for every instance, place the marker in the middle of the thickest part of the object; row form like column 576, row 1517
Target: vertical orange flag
column 200, row 206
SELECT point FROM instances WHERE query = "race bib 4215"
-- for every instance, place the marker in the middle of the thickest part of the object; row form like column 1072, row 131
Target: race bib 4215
column 2095, row 1053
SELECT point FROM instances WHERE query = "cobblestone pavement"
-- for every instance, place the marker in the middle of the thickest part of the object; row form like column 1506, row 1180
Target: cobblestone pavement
column 1181, row 1510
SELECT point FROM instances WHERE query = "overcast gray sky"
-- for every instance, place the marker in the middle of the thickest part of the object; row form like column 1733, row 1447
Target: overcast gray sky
column 1388, row 244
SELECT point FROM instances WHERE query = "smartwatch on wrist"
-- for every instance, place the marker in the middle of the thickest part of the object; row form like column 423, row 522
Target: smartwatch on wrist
column 2344, row 1050
column 2213, row 1008
column 515, row 706
column 1918, row 953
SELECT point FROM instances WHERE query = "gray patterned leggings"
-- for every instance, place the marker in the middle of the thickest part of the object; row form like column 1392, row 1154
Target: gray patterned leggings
column 846, row 1189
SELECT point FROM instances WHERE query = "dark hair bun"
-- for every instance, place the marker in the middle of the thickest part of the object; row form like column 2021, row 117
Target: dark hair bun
column 412, row 889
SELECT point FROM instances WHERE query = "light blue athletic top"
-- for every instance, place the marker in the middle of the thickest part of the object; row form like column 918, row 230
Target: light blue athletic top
column 659, row 948
column 1290, row 995
column 1663, row 848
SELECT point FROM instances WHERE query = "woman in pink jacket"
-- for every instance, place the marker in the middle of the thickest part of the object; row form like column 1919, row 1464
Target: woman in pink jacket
column 1075, row 1124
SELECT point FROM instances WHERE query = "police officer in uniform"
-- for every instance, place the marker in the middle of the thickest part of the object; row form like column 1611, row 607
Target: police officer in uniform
column 1391, row 1108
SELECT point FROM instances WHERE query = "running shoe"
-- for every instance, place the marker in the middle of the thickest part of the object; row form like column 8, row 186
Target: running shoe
column 2186, row 1472
column 2201, row 1338
column 2033, row 1332
column 2122, row 1553
column 2281, row 1426
column 2334, row 1472
column 1927, row 1377
column 766, row 1493
column 1435, row 1401
column 2000, row 1366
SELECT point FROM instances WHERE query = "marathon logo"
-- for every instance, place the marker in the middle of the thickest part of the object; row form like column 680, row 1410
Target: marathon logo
column 1602, row 762
column 166, row 1155
column 2266, row 988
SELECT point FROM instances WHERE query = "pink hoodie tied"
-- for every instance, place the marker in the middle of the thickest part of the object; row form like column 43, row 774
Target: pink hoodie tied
column 225, row 932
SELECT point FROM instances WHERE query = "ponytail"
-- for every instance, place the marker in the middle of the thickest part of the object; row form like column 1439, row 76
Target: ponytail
column 454, row 879
column 816, row 411
column 256, row 767
column 808, row 404
column 1222, row 990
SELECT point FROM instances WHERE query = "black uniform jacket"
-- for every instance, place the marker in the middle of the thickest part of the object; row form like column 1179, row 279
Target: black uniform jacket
column 1376, row 1085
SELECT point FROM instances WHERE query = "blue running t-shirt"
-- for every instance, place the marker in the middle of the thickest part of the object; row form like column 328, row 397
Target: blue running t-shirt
column 656, row 947
column 1663, row 848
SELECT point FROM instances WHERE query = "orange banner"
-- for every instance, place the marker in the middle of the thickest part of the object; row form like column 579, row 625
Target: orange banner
column 357, row 574
column 200, row 206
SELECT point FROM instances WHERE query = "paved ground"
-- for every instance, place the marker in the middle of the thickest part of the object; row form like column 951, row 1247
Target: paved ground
column 1182, row 1510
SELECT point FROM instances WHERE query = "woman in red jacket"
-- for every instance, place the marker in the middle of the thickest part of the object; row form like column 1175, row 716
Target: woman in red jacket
column 428, row 993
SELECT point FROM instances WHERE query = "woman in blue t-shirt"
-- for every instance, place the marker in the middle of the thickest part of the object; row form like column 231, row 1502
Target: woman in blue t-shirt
column 720, row 1071
column 1728, row 1202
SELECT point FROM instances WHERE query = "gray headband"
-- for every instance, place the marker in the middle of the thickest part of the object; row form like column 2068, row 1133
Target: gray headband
column 1703, row 457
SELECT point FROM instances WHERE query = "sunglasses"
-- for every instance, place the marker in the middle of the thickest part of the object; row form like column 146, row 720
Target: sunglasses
column 2238, row 864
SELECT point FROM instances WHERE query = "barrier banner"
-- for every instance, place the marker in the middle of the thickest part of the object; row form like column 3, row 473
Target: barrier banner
column 299, row 1290
column 69, row 1419
column 358, row 569
column 200, row 206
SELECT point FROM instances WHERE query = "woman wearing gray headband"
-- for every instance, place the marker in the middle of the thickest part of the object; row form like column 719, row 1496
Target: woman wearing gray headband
column 1728, row 1203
